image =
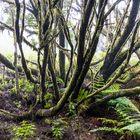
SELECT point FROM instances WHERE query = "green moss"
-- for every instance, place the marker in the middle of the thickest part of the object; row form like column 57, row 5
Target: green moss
column 110, row 122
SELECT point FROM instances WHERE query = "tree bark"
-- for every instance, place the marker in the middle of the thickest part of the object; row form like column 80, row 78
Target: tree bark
column 62, row 44
column 115, row 94
column 110, row 57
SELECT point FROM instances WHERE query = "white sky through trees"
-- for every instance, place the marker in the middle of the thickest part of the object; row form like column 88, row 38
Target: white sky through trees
column 6, row 39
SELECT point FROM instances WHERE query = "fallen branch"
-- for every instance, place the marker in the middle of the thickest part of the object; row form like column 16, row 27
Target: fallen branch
column 116, row 94
column 131, row 77
column 26, row 115
column 9, row 65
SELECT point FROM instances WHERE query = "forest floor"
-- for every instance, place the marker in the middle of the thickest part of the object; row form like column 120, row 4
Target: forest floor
column 66, row 127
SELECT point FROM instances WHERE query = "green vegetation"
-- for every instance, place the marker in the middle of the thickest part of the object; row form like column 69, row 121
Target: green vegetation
column 74, row 59
column 24, row 130
column 58, row 127
column 58, row 132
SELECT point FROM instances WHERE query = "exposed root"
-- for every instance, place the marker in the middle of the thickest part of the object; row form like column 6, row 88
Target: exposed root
column 7, row 113
column 26, row 115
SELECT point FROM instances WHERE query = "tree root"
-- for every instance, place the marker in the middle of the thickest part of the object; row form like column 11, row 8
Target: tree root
column 26, row 115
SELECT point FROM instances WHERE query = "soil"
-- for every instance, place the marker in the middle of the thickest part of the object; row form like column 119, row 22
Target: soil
column 76, row 127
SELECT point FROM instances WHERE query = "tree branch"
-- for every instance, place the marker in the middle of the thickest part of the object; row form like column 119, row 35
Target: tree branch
column 116, row 94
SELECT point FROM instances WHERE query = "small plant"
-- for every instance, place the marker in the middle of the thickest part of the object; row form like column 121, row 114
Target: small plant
column 57, row 128
column 83, row 94
column 25, row 85
column 23, row 131
column 2, row 85
column 59, row 80
column 72, row 110
column 48, row 100
column 48, row 96
column 13, row 90
column 57, row 132
column 49, row 84
column 17, row 103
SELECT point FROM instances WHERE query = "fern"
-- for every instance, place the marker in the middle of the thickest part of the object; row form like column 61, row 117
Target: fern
column 83, row 94
column 134, row 129
column 129, row 114
column 127, row 111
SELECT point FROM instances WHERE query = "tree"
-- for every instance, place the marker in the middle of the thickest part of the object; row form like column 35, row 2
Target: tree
column 90, row 28
column 62, row 44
